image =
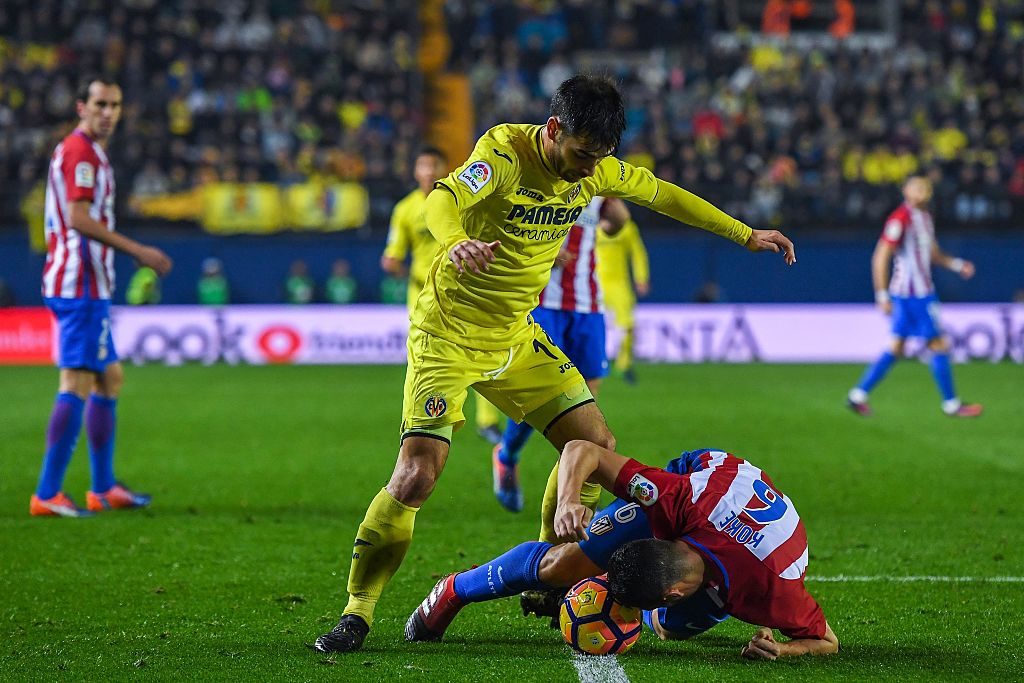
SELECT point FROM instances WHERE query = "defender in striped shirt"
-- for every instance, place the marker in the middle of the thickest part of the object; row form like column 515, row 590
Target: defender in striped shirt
column 908, row 241
column 571, row 312
column 78, row 281
column 706, row 538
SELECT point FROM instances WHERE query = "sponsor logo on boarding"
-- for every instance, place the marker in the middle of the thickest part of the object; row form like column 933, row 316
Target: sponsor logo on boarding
column 85, row 174
column 643, row 490
column 573, row 194
column 476, row 175
column 279, row 343
column 435, row 405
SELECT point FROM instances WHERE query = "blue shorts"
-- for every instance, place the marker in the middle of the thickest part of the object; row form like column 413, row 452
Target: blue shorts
column 623, row 522
column 581, row 336
column 916, row 317
column 85, row 340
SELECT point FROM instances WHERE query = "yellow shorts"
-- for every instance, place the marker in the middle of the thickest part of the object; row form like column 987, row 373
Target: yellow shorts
column 518, row 380
column 620, row 301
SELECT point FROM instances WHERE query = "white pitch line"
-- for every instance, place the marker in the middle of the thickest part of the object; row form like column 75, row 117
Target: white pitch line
column 593, row 669
column 846, row 578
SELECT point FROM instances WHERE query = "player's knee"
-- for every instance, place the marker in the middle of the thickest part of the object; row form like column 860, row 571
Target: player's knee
column 939, row 345
column 557, row 567
column 897, row 347
column 415, row 475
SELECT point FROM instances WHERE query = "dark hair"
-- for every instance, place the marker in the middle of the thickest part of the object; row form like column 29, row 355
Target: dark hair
column 82, row 94
column 641, row 572
column 434, row 152
column 590, row 107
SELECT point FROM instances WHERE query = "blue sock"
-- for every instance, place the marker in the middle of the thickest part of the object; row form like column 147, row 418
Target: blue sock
column 100, row 428
column 512, row 442
column 942, row 371
column 876, row 371
column 61, row 438
column 504, row 576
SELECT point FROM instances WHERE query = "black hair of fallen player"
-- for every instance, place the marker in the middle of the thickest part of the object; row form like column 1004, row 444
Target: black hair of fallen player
column 82, row 93
column 641, row 572
column 590, row 108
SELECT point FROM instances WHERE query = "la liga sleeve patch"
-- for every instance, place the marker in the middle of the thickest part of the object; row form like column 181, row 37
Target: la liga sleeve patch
column 85, row 175
column 643, row 490
column 476, row 175
column 894, row 230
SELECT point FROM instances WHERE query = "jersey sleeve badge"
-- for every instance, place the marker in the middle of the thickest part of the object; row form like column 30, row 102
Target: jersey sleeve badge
column 85, row 175
column 476, row 175
column 643, row 490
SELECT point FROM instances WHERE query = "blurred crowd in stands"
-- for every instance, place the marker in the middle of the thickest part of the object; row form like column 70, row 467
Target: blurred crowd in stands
column 279, row 91
column 273, row 91
column 810, row 137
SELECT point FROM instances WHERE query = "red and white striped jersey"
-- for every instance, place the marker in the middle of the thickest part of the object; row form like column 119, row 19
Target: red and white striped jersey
column 749, row 533
column 574, row 286
column 77, row 267
column 911, row 232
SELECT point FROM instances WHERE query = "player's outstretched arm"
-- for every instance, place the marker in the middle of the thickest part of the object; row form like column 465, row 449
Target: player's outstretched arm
column 148, row 256
column 582, row 461
column 764, row 646
column 643, row 187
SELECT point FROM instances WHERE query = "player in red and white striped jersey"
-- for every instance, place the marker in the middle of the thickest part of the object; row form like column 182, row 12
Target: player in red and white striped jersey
column 908, row 240
column 78, row 282
column 707, row 538
column 571, row 312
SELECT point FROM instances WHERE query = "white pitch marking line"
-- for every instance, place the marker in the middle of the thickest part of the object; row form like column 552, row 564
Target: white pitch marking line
column 845, row 578
column 593, row 669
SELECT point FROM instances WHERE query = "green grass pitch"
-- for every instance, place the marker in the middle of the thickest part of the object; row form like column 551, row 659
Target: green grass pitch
column 261, row 474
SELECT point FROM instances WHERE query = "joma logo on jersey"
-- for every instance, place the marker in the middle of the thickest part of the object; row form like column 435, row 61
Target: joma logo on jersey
column 532, row 194
column 543, row 215
column 435, row 406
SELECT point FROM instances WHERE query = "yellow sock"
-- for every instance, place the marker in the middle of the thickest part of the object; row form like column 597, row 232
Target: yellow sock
column 590, row 494
column 624, row 358
column 381, row 543
column 486, row 414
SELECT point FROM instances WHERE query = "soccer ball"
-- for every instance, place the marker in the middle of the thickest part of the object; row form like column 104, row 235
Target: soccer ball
column 593, row 623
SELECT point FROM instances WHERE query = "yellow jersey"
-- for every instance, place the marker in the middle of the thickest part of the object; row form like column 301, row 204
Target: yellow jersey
column 508, row 191
column 408, row 232
column 620, row 254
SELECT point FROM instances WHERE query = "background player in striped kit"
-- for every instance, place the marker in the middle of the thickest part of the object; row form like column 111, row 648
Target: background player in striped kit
column 909, row 240
column 78, row 281
column 571, row 311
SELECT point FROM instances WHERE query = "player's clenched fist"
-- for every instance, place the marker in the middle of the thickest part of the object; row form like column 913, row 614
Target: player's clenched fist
column 761, row 646
column 772, row 240
column 473, row 254
column 571, row 521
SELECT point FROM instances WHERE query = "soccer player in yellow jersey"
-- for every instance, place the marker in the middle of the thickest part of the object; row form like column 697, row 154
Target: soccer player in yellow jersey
column 409, row 233
column 619, row 257
column 501, row 218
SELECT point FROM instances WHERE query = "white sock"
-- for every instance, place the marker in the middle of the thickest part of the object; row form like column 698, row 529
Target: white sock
column 951, row 406
column 858, row 395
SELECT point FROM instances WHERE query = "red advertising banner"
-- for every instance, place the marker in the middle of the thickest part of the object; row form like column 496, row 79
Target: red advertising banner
column 26, row 336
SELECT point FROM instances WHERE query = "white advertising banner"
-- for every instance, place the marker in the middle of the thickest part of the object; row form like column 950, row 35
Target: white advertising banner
column 818, row 333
